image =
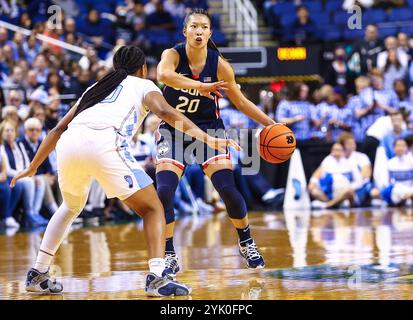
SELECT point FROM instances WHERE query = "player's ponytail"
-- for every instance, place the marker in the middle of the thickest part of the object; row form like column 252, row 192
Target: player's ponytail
column 127, row 60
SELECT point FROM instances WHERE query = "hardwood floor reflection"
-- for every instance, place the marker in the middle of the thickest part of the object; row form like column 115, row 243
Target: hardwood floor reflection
column 306, row 258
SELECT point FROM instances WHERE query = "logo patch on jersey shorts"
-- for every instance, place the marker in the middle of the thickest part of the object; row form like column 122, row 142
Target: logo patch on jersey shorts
column 163, row 148
column 129, row 180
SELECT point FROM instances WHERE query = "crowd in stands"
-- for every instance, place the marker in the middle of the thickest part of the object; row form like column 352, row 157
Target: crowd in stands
column 363, row 101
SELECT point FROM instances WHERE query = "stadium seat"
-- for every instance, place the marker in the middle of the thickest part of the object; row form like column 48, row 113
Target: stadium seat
column 216, row 21
column 321, row 18
column 408, row 30
column 287, row 20
column 399, row 14
column 283, row 8
column 388, row 31
column 353, row 33
column 331, row 33
column 179, row 22
column 374, row 16
column 341, row 18
column 159, row 37
column 219, row 38
column 410, row 3
column 178, row 36
column 313, row 6
column 333, row 6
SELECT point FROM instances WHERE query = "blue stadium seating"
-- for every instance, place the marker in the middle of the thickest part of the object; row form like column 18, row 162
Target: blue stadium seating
column 398, row 14
column 388, row 31
column 287, row 19
column 216, row 21
column 331, row 33
column 374, row 16
column 282, row 8
column 313, row 6
column 407, row 29
column 321, row 18
column 333, row 5
column 219, row 38
column 410, row 3
column 159, row 37
column 353, row 33
column 341, row 18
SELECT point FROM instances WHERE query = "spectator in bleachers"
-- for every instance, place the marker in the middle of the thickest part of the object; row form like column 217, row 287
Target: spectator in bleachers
column 150, row 6
column 367, row 49
column 69, row 26
column 4, row 37
column 37, row 10
column 362, row 162
column 303, row 27
column 399, row 187
column 15, row 80
column 390, row 44
column 403, row 44
column 393, row 70
column 388, row 4
column 176, row 8
column 123, row 29
column 31, row 48
column 15, row 98
column 17, row 46
column 16, row 161
column 99, row 30
column 335, row 180
column 342, row 116
column 136, row 16
column 5, row 194
column 31, row 142
column 399, row 132
column 296, row 111
column 337, row 71
column 31, row 82
column 192, row 4
column 321, row 113
column 406, row 102
column 26, row 21
column 9, row 113
column 8, row 59
column 41, row 65
column 159, row 19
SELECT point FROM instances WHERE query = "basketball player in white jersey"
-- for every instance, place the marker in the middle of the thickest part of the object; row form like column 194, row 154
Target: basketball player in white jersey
column 92, row 142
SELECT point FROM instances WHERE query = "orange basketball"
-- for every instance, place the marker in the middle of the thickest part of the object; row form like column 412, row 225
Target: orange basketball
column 276, row 143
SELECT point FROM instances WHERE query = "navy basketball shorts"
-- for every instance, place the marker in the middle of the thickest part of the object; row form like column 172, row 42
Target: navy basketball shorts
column 180, row 149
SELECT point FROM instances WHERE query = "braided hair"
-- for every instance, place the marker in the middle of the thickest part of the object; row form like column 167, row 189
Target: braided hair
column 126, row 61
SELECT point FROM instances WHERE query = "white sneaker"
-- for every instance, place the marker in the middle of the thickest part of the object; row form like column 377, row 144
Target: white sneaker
column 345, row 204
column 317, row 204
column 271, row 194
column 204, row 207
column 12, row 223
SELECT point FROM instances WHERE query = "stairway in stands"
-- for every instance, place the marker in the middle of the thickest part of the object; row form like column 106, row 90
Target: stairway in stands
column 235, row 40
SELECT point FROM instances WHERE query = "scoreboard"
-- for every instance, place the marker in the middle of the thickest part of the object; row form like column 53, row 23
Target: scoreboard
column 261, row 64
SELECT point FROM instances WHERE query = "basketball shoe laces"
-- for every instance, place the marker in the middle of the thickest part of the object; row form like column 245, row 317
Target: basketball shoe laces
column 251, row 251
column 170, row 261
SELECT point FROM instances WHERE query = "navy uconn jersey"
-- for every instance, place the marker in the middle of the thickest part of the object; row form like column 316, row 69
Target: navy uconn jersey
column 197, row 108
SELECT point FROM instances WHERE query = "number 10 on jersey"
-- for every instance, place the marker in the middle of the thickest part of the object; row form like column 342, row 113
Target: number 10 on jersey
column 191, row 105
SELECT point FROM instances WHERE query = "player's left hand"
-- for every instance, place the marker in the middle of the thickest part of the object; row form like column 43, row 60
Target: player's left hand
column 29, row 172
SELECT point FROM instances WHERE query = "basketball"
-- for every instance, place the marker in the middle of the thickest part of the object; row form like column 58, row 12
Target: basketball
column 276, row 143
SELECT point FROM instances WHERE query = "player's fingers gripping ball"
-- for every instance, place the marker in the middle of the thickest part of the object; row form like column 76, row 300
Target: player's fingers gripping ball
column 276, row 143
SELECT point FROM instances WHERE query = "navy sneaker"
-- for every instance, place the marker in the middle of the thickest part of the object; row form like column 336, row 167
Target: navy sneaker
column 249, row 251
column 165, row 287
column 171, row 265
column 42, row 283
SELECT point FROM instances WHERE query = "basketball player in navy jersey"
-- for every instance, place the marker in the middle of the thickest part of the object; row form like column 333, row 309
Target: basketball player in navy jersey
column 193, row 73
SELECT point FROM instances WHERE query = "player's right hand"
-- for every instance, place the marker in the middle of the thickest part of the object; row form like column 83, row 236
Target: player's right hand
column 29, row 172
column 206, row 89
column 223, row 144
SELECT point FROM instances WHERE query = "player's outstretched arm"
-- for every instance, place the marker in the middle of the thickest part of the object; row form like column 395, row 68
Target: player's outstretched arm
column 47, row 146
column 159, row 106
column 166, row 74
column 226, row 73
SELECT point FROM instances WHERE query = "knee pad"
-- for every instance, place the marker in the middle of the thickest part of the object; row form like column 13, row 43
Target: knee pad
column 166, row 184
column 224, row 183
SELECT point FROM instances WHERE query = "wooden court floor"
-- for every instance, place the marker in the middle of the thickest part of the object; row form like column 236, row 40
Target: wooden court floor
column 335, row 255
